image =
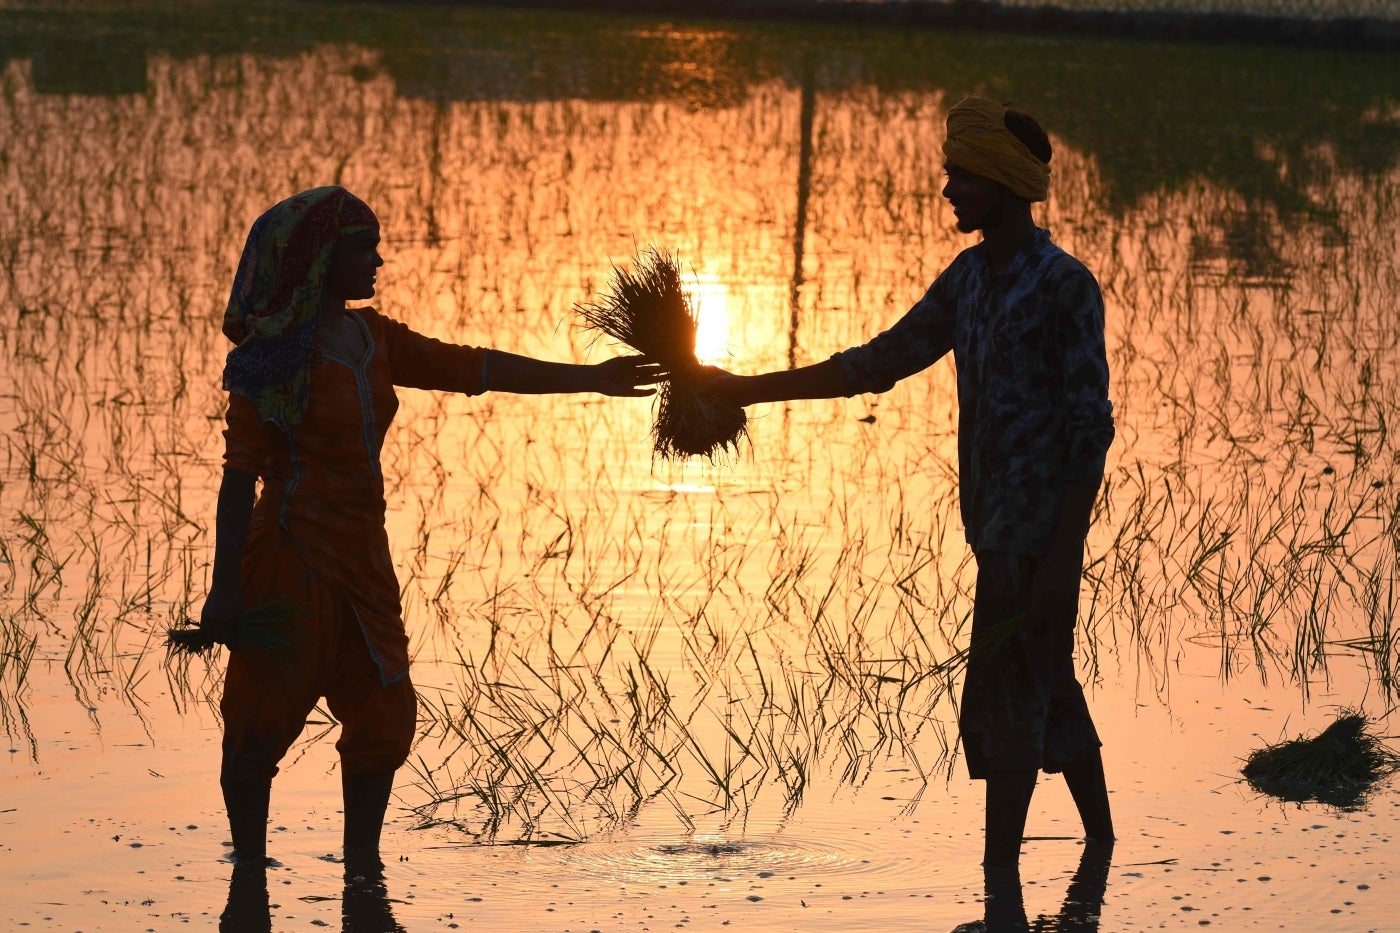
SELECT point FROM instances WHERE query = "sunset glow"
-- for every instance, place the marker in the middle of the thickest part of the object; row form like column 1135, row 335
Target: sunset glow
column 711, row 301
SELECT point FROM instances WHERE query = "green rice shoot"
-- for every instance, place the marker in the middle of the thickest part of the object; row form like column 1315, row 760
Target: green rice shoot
column 1337, row 766
column 648, row 309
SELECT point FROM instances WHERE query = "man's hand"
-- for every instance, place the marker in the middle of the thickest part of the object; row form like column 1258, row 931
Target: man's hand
column 1057, row 577
column 1058, row 574
column 721, row 384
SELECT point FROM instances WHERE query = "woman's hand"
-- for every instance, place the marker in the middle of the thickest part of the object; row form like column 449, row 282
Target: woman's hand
column 626, row 375
column 220, row 616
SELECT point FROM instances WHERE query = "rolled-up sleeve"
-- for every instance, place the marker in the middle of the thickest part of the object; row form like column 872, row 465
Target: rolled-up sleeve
column 914, row 343
column 420, row 362
column 1078, row 313
column 249, row 441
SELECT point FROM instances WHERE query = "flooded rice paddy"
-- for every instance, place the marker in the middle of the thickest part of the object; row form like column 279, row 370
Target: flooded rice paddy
column 699, row 695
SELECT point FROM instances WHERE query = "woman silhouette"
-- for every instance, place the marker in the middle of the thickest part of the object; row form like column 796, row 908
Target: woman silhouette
column 311, row 394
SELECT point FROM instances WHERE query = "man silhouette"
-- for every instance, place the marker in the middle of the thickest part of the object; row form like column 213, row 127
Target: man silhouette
column 1025, row 323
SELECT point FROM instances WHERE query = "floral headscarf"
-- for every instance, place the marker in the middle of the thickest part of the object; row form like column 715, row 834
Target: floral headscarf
column 276, row 299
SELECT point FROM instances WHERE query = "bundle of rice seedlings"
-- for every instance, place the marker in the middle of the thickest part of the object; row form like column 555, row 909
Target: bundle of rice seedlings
column 647, row 309
column 1334, row 767
column 269, row 628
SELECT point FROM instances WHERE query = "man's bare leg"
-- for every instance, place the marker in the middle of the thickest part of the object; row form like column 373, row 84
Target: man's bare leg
column 1008, row 802
column 1087, row 786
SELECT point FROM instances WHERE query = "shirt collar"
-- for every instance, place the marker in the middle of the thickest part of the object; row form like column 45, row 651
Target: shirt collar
column 1035, row 246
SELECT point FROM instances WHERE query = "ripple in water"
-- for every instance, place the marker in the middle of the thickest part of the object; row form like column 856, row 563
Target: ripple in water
column 703, row 859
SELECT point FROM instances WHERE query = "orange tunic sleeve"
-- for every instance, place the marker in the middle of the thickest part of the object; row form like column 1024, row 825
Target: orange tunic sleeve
column 249, row 441
column 420, row 362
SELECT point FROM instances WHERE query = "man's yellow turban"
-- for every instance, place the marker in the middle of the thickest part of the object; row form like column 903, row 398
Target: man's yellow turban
column 979, row 142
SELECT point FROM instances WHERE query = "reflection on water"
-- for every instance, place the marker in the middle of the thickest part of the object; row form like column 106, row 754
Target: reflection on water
column 366, row 906
column 597, row 634
column 1005, row 908
column 711, row 302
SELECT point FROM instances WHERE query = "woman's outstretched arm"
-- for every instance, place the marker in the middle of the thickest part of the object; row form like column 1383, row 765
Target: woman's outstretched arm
column 622, row 375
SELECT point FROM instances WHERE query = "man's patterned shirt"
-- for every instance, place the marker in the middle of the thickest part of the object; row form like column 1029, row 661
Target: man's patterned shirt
column 1034, row 414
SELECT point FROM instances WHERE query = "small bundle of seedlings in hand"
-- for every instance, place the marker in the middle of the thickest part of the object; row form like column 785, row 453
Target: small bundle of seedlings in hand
column 269, row 628
column 646, row 308
column 1336, row 767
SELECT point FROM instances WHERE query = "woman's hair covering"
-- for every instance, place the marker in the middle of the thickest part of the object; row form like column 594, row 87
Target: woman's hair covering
column 276, row 299
column 979, row 142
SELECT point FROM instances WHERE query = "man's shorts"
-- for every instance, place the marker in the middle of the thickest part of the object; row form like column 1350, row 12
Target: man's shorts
column 1022, row 708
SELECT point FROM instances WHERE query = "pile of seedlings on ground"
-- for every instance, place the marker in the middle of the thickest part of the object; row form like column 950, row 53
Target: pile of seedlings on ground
column 1335, row 767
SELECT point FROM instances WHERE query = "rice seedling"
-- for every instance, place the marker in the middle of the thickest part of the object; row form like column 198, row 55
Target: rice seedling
column 648, row 309
column 1336, row 767
column 270, row 628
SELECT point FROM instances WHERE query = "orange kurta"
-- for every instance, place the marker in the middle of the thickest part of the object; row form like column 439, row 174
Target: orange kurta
column 322, row 483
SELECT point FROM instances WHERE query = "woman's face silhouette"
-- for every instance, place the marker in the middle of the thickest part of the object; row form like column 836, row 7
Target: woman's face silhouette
column 354, row 265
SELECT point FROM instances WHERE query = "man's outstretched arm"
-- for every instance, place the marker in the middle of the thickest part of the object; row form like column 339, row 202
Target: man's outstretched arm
column 820, row 380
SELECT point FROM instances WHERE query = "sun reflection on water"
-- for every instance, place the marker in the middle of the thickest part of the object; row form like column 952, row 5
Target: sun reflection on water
column 710, row 298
